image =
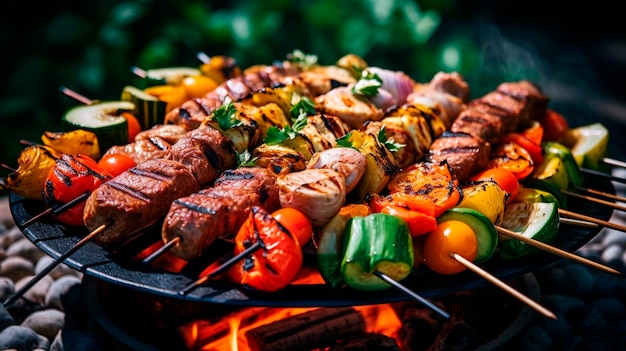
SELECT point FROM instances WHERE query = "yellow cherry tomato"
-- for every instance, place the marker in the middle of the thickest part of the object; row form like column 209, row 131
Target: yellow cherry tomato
column 198, row 86
column 450, row 237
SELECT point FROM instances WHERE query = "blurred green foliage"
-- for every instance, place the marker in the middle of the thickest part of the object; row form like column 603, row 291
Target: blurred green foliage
column 90, row 46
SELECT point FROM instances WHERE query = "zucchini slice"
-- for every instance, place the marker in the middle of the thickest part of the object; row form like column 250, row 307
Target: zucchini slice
column 149, row 110
column 485, row 231
column 535, row 220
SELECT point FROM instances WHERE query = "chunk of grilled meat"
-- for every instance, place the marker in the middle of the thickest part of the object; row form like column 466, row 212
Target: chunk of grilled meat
column 168, row 132
column 136, row 199
column 218, row 211
column 481, row 124
column 353, row 110
column 142, row 149
column 464, row 153
column 535, row 102
column 207, row 153
column 192, row 112
column 451, row 83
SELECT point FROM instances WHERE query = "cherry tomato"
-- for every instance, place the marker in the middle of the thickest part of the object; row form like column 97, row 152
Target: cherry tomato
column 134, row 127
column 70, row 177
column 296, row 222
column 198, row 86
column 114, row 164
column 505, row 178
column 273, row 266
column 450, row 237
column 554, row 125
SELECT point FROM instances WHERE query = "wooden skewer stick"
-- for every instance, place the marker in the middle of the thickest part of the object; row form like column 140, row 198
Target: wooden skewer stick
column 499, row 283
column 602, row 193
column 57, row 210
column 556, row 251
column 614, row 162
column 412, row 294
column 7, row 167
column 219, row 270
column 600, row 222
column 577, row 222
column 603, row 175
column 596, row 200
column 53, row 265
column 203, row 57
column 163, row 249
column 76, row 96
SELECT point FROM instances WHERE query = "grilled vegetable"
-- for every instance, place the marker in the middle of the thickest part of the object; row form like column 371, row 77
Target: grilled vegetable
column 33, row 165
column 547, row 190
column 559, row 166
column 149, row 109
column 330, row 243
column 451, row 237
column 418, row 221
column 513, row 157
column 377, row 242
column 276, row 263
column 535, row 220
column 77, row 141
column 105, row 119
column 168, row 75
column 484, row 230
column 487, row 197
column 507, row 180
column 588, row 145
column 72, row 176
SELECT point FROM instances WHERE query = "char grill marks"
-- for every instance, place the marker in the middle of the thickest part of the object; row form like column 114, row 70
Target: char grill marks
column 475, row 132
column 218, row 211
column 136, row 199
column 192, row 112
column 142, row 149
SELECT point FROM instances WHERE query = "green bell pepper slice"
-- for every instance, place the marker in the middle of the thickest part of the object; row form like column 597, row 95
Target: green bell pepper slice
column 377, row 242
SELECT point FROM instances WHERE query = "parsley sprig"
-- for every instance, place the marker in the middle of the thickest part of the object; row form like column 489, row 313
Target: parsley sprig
column 368, row 84
column 389, row 143
column 245, row 159
column 344, row 141
column 305, row 60
column 301, row 104
column 276, row 136
column 225, row 115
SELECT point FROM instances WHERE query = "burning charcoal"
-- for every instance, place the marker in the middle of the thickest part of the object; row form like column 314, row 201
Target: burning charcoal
column 366, row 342
column 420, row 327
column 22, row 338
column 458, row 337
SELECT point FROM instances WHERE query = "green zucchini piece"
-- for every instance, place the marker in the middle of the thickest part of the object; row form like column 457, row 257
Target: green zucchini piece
column 535, row 220
column 104, row 119
column 555, row 149
column 485, row 231
column 541, row 191
column 589, row 144
column 149, row 110
column 377, row 242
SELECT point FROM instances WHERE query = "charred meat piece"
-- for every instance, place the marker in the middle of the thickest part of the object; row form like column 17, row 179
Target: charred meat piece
column 480, row 124
column 452, row 83
column 534, row 100
column 207, row 153
column 142, row 149
column 219, row 211
column 168, row 132
column 511, row 109
column 465, row 153
column 136, row 199
column 192, row 112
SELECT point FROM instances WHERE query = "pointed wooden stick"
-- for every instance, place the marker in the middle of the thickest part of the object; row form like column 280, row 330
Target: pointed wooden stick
column 614, row 162
column 203, row 57
column 53, row 265
column 600, row 222
column 7, row 167
column 577, row 222
column 499, row 283
column 556, row 251
column 412, row 294
column 593, row 199
column 163, row 249
column 602, row 193
column 76, row 96
column 57, row 210
column 222, row 268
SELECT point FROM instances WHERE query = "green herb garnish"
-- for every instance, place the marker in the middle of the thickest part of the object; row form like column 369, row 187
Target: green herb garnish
column 225, row 115
column 367, row 84
column 306, row 60
column 301, row 104
column 344, row 141
column 388, row 142
column 245, row 159
column 276, row 136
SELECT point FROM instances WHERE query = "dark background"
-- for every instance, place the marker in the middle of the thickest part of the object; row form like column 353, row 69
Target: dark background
column 575, row 52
